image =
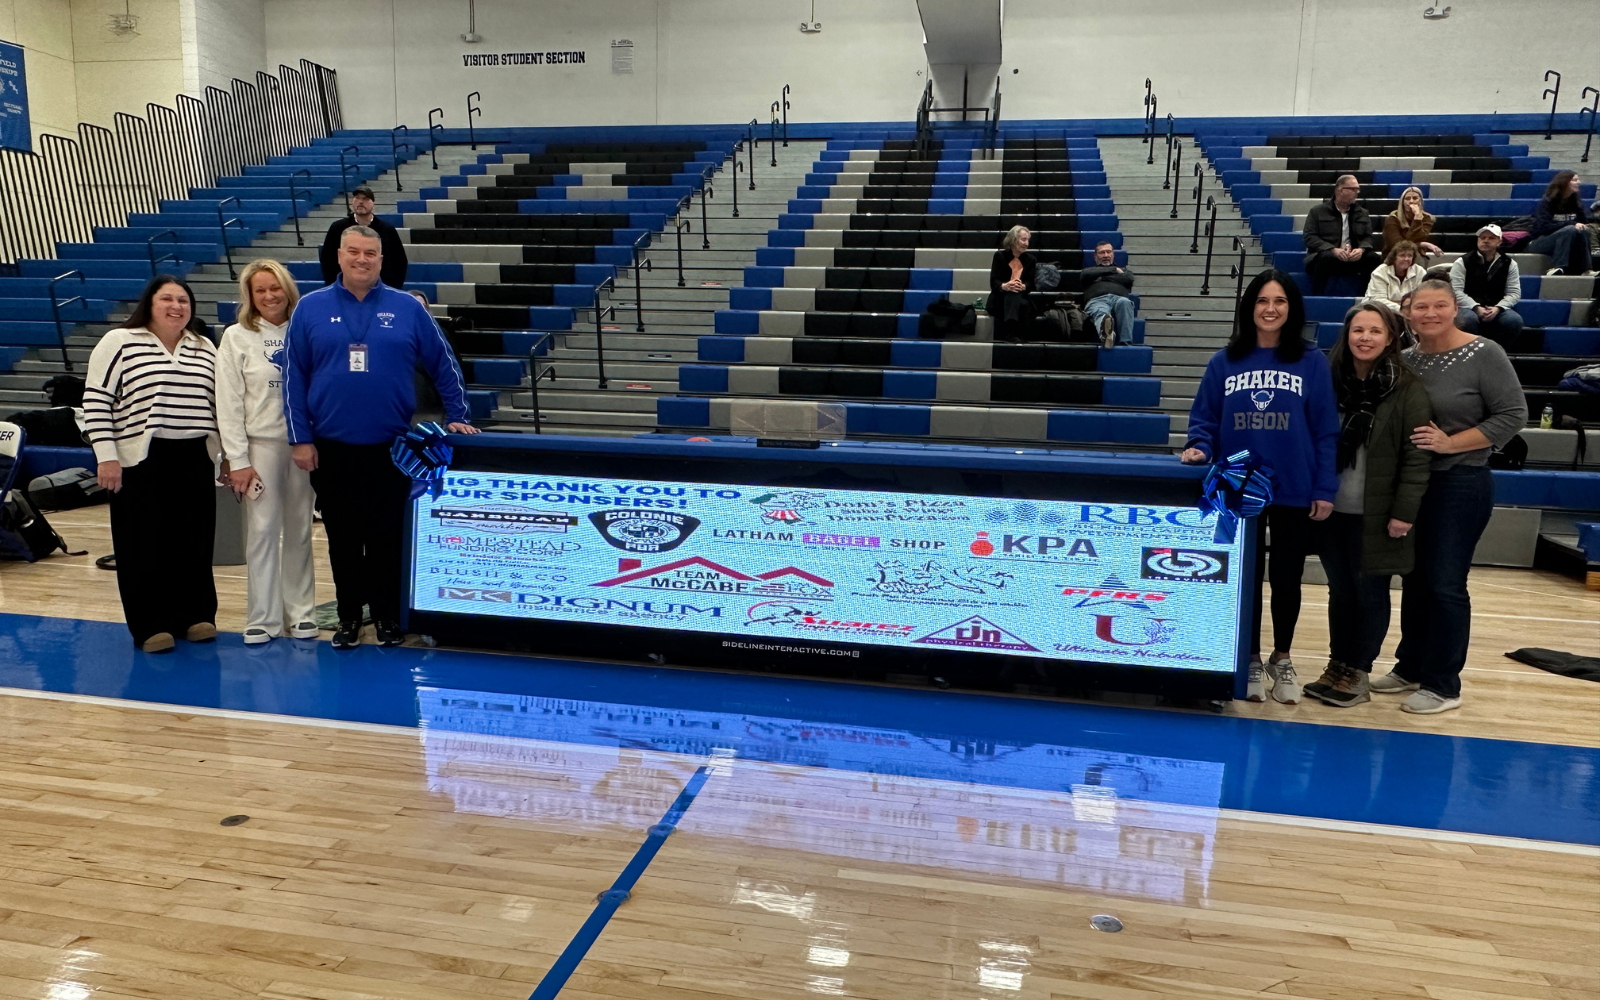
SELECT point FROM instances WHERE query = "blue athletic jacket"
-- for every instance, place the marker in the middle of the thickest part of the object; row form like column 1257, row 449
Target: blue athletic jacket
column 324, row 398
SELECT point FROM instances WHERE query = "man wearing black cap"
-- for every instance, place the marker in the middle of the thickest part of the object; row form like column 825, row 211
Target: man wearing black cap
column 361, row 214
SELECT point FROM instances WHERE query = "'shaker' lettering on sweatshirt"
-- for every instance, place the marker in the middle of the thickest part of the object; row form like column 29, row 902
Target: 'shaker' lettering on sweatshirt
column 1285, row 413
column 332, row 388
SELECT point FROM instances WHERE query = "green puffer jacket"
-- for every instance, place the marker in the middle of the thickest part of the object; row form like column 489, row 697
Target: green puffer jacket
column 1397, row 476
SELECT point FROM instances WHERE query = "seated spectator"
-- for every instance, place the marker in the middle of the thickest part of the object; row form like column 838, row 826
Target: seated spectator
column 1409, row 222
column 1408, row 336
column 1483, row 276
column 1107, row 291
column 1561, row 227
column 1011, row 278
column 1397, row 275
column 1338, row 237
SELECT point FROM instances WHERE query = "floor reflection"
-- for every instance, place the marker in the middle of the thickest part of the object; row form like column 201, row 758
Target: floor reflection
column 1122, row 824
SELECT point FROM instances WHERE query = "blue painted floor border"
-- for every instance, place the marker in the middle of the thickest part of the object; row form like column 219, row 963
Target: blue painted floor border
column 1411, row 779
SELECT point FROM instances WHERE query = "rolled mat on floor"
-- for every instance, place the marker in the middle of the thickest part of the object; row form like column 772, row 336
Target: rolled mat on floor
column 1585, row 668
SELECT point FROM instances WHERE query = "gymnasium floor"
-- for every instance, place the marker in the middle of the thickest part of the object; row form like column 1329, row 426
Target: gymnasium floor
column 436, row 823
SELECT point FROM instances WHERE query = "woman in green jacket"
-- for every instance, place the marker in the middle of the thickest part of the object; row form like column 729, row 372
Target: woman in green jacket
column 1382, row 477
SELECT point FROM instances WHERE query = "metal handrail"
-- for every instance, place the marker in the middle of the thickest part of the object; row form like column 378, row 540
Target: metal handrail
column 785, row 99
column 638, row 284
column 1592, row 111
column 150, row 248
column 537, row 374
column 772, row 135
column 394, row 147
column 1237, row 272
column 599, row 333
column 1148, row 93
column 754, row 142
column 1199, row 185
column 1150, row 155
column 433, row 143
column 994, row 124
column 471, row 135
column 344, row 170
column 1166, row 180
column 222, row 227
column 1177, row 165
column 55, row 310
column 738, row 165
column 1211, row 238
column 707, row 192
column 294, row 204
column 1555, row 96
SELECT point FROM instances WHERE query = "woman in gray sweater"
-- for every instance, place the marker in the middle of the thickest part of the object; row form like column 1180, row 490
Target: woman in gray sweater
column 1478, row 405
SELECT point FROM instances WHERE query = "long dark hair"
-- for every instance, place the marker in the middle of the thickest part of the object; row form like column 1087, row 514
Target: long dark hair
column 1555, row 193
column 1291, row 343
column 1340, row 356
column 144, row 311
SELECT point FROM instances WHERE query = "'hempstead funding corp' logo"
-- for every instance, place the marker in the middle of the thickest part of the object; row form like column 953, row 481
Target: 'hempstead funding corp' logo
column 643, row 530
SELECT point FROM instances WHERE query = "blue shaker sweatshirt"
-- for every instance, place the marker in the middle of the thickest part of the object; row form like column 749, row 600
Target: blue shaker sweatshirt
column 1284, row 413
column 323, row 398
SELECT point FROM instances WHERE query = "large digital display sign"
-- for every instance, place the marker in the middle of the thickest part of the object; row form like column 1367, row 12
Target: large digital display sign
column 835, row 572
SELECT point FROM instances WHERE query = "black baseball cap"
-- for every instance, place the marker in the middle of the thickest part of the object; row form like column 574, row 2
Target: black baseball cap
column 364, row 191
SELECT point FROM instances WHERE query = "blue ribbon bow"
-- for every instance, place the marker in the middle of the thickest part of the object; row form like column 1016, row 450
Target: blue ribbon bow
column 423, row 454
column 1235, row 488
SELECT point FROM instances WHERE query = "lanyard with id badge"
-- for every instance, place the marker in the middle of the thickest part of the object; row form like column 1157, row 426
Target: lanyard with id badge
column 358, row 349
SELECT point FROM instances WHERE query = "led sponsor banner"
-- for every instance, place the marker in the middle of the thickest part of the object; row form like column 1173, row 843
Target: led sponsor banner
column 834, row 571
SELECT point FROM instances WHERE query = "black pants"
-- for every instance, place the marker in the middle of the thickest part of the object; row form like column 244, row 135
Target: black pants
column 1358, row 603
column 1294, row 536
column 163, row 529
column 1324, row 265
column 363, row 500
column 1013, row 314
column 1436, row 610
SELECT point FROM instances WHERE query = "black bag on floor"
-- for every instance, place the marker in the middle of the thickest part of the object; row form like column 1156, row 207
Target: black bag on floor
column 24, row 533
column 65, row 390
column 946, row 320
column 68, row 489
column 56, row 427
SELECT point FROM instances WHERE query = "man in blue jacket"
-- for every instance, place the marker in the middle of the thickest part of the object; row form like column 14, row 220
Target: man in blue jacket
column 348, row 392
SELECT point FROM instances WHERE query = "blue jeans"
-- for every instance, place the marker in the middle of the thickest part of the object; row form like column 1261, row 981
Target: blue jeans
column 1436, row 613
column 1503, row 329
column 1119, row 307
column 1358, row 603
column 1567, row 248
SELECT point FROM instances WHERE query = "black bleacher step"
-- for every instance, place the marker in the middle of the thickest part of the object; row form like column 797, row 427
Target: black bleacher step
column 586, row 239
column 502, row 220
column 1545, row 370
column 1416, row 139
column 1583, row 406
column 1458, row 176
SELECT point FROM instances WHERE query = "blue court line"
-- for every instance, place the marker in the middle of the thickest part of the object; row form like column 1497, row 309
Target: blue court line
column 1399, row 778
column 618, row 894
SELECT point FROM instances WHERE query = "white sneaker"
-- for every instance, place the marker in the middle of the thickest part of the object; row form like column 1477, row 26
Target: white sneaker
column 1108, row 331
column 1423, row 702
column 1285, row 685
column 256, row 636
column 304, row 630
column 1256, row 689
column 1392, row 683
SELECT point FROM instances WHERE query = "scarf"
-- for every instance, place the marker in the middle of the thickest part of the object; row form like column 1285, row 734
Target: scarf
column 1358, row 404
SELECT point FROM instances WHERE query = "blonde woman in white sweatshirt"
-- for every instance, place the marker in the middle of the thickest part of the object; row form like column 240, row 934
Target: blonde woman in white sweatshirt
column 255, row 442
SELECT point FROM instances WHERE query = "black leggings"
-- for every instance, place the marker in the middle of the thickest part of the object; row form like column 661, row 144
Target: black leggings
column 1294, row 536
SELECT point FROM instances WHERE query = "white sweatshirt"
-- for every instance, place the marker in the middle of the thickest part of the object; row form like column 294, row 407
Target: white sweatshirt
column 250, row 389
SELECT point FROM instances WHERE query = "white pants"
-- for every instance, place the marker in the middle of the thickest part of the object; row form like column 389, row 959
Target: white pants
column 282, row 581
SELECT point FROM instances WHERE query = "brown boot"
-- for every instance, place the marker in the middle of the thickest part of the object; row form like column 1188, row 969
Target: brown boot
column 1330, row 674
column 201, row 632
column 1351, row 688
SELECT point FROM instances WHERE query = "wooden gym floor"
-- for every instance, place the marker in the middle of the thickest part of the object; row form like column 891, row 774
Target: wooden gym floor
column 396, row 862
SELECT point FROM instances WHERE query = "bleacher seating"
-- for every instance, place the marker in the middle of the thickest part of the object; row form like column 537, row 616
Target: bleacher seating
column 1466, row 181
column 830, row 312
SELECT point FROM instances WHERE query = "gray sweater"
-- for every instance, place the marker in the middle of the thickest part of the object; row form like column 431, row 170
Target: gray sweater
column 1472, row 386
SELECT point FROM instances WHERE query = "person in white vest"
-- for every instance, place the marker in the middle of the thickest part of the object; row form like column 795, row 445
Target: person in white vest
column 255, row 441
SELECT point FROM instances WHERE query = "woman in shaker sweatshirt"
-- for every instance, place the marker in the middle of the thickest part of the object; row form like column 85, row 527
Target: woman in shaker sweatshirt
column 255, row 442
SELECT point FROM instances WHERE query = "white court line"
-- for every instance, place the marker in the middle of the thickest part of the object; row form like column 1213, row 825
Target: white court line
column 1345, row 826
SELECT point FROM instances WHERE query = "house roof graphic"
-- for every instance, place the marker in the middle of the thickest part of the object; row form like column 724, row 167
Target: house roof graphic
column 703, row 562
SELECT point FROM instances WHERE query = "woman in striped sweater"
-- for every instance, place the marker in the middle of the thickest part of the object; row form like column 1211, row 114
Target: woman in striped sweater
column 149, row 411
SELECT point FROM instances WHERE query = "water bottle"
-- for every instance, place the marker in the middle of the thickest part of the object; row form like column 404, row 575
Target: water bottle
column 1547, row 419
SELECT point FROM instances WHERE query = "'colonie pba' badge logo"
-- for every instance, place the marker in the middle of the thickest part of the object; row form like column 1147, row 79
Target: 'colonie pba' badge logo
column 643, row 530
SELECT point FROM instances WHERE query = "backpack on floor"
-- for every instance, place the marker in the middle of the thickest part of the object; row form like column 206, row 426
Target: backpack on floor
column 24, row 533
column 56, row 427
column 946, row 320
column 65, row 390
column 1584, row 378
column 68, row 489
